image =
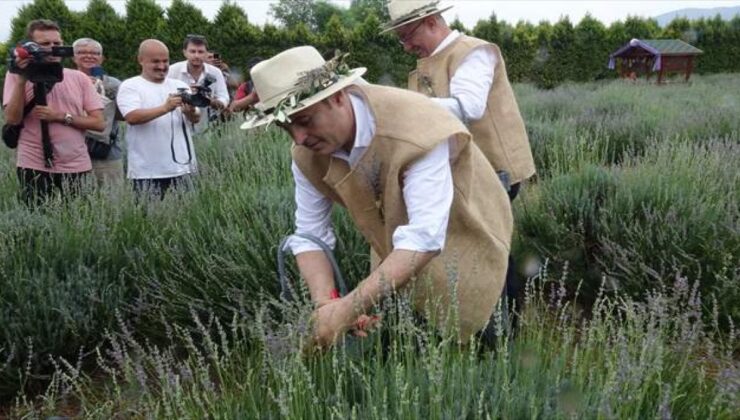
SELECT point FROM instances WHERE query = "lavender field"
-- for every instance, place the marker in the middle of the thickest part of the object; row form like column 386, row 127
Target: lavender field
column 116, row 308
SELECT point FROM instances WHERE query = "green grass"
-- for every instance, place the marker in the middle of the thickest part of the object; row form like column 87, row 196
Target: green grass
column 636, row 199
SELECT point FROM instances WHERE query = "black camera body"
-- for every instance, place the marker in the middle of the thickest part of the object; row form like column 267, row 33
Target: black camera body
column 202, row 96
column 39, row 69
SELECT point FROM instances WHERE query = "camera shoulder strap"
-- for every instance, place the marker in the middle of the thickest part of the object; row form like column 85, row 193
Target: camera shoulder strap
column 39, row 92
column 187, row 142
column 29, row 107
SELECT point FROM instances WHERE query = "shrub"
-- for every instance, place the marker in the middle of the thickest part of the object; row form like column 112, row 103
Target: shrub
column 673, row 210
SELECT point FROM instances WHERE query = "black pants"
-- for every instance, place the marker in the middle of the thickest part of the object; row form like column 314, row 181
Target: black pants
column 513, row 286
column 157, row 187
column 37, row 186
column 511, row 296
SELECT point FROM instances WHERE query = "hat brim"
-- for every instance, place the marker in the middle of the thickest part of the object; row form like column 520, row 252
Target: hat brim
column 398, row 23
column 343, row 82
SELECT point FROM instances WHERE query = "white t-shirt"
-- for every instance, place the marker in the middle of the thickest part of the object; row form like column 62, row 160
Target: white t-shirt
column 150, row 145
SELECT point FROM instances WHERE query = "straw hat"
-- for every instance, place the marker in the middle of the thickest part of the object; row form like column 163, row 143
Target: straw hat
column 294, row 80
column 403, row 12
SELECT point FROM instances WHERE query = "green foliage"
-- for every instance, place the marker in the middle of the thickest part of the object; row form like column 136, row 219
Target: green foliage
column 55, row 10
column 519, row 48
column 235, row 38
column 554, row 63
column 626, row 360
column 183, row 18
column 325, row 11
column 384, row 58
column 457, row 25
column 637, row 27
column 623, row 190
column 291, row 12
column 590, row 50
column 335, row 36
column 545, row 54
column 489, row 30
column 144, row 20
column 671, row 212
column 629, row 191
column 3, row 60
column 359, row 10
column 101, row 23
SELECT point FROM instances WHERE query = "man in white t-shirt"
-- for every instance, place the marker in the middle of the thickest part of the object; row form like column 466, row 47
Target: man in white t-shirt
column 195, row 71
column 160, row 148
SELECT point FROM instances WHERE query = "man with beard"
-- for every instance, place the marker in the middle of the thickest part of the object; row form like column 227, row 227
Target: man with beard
column 160, row 149
column 195, row 71
column 73, row 107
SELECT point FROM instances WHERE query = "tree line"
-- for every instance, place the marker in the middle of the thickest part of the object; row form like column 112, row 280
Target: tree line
column 545, row 54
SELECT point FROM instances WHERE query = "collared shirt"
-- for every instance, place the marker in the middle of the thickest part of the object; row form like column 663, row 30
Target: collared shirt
column 179, row 71
column 427, row 193
column 471, row 83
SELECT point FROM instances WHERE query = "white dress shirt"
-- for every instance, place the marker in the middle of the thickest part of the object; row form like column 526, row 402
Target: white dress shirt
column 471, row 82
column 179, row 71
column 427, row 192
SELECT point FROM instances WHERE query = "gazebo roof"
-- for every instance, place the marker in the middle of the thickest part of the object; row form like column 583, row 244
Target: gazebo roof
column 661, row 46
column 657, row 47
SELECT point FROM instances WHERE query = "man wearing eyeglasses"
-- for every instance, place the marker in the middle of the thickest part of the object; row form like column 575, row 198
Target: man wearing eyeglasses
column 194, row 71
column 103, row 146
column 467, row 76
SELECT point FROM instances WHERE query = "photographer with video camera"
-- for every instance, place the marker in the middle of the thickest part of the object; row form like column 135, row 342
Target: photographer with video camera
column 158, row 111
column 207, row 81
column 103, row 146
column 47, row 110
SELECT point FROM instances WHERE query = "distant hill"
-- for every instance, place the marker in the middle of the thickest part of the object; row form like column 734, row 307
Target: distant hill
column 727, row 13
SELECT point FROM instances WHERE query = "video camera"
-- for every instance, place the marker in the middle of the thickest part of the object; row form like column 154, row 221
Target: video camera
column 39, row 69
column 202, row 96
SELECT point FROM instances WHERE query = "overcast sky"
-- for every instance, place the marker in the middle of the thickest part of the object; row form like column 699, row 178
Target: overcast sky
column 469, row 11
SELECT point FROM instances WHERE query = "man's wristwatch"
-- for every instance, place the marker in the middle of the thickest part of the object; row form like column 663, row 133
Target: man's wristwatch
column 67, row 119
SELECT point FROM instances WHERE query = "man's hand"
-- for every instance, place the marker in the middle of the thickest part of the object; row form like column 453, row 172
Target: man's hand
column 216, row 104
column 336, row 317
column 244, row 103
column 44, row 113
column 191, row 113
column 217, row 62
column 22, row 63
column 172, row 102
column 330, row 322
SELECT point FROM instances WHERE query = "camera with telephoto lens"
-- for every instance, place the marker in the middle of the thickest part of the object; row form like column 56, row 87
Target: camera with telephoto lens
column 39, row 68
column 202, row 96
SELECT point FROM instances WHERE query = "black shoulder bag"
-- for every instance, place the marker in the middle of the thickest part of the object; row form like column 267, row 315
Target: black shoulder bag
column 12, row 132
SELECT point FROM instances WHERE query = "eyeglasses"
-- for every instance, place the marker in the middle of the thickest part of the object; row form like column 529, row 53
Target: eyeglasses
column 95, row 53
column 403, row 40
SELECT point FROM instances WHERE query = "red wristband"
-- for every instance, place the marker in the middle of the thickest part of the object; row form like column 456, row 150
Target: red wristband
column 334, row 294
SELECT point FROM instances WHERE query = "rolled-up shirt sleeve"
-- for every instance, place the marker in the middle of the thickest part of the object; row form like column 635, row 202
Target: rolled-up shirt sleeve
column 470, row 85
column 312, row 215
column 427, row 193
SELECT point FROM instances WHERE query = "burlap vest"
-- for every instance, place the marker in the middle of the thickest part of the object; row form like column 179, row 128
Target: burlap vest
column 500, row 133
column 472, row 265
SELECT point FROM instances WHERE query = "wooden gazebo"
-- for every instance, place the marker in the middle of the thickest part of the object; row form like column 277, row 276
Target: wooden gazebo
column 647, row 56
